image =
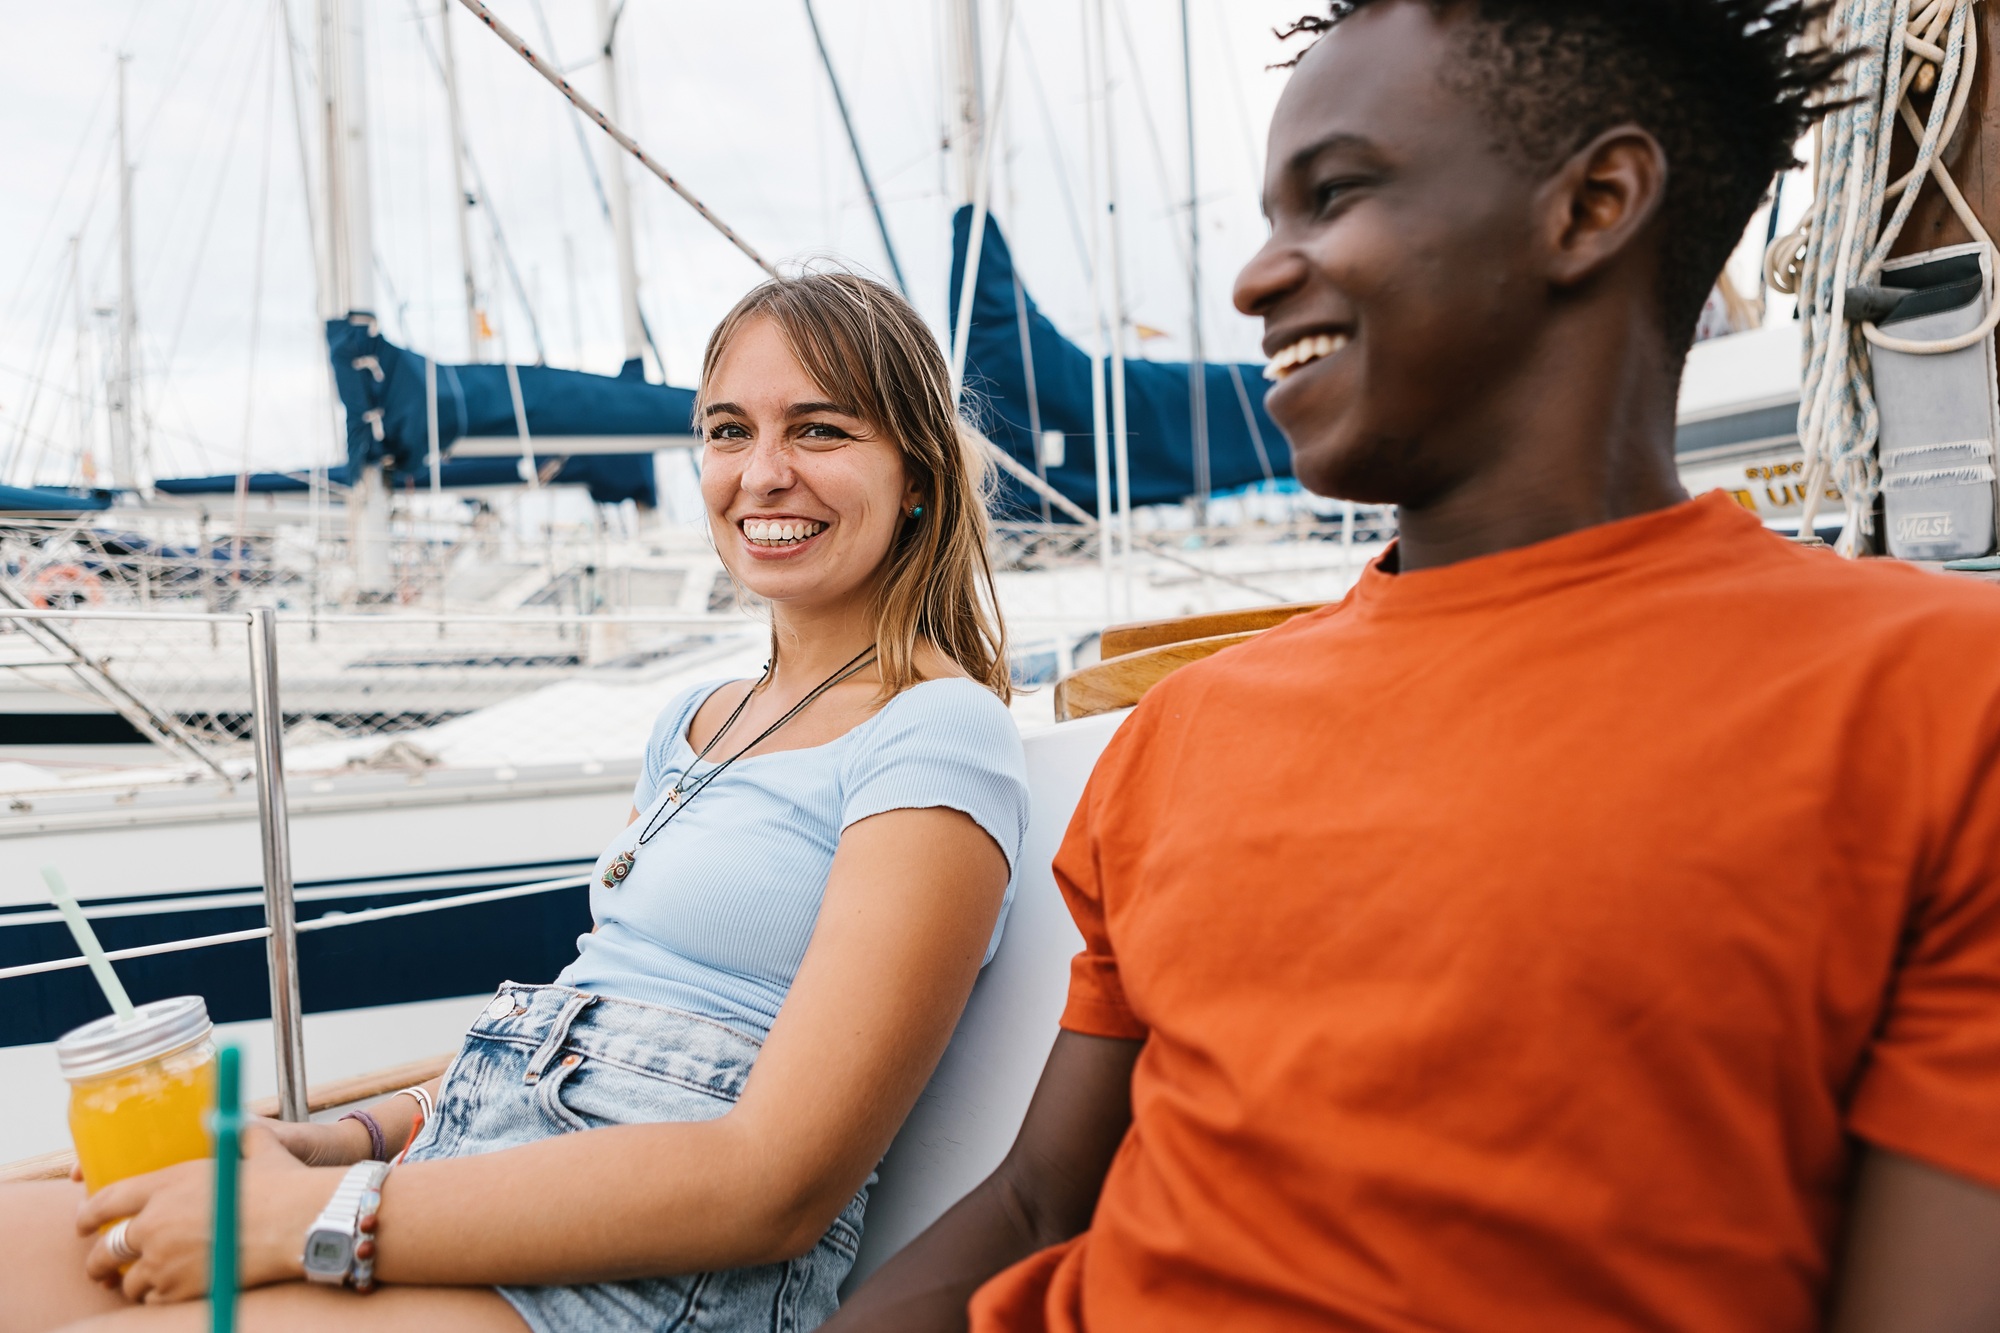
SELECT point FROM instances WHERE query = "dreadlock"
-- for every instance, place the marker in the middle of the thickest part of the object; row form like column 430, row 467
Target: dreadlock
column 1727, row 87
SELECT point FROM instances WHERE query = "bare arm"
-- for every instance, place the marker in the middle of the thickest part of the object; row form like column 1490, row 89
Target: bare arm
column 343, row 1142
column 909, row 906
column 1923, row 1251
column 1041, row 1195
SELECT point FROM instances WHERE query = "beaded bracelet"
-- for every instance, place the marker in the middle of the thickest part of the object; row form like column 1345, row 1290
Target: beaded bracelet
column 378, row 1142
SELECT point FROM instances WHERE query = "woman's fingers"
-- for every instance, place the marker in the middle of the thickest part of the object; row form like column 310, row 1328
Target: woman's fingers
column 121, row 1198
column 101, row 1265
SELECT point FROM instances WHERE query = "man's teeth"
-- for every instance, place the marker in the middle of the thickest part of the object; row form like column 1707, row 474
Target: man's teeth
column 780, row 532
column 1304, row 352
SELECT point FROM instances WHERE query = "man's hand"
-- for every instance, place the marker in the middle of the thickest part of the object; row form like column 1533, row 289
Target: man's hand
column 172, row 1224
column 1042, row 1194
column 1923, row 1251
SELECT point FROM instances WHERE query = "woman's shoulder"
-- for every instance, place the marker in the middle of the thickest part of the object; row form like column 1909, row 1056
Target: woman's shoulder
column 952, row 721
column 672, row 722
column 952, row 698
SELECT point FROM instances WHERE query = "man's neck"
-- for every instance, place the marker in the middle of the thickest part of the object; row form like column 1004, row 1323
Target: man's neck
column 1583, row 435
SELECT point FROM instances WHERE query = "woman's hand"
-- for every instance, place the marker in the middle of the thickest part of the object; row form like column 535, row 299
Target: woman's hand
column 171, row 1221
column 339, row 1143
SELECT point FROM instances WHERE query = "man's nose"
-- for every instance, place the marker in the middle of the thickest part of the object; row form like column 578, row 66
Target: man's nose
column 1272, row 274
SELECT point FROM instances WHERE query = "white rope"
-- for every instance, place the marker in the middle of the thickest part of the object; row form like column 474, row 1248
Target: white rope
column 330, row 921
column 624, row 140
column 1844, row 241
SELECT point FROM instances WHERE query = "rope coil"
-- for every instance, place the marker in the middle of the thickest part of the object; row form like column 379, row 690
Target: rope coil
column 1843, row 242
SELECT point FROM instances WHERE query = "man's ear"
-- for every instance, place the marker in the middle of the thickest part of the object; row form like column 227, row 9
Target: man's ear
column 1599, row 202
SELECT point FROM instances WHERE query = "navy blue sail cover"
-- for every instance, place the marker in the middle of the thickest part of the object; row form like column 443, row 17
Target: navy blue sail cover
column 610, row 477
column 52, row 499
column 1244, row 446
column 382, row 385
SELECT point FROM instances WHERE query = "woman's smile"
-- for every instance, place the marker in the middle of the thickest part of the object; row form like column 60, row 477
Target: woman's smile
column 780, row 536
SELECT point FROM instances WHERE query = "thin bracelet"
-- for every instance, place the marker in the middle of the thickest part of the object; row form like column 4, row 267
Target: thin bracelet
column 426, row 1108
column 378, row 1143
column 421, row 1095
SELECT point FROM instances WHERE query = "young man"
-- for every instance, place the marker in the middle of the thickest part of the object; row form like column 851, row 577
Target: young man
column 1593, row 922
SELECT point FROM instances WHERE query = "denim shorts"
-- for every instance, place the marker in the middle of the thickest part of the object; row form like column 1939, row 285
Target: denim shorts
column 548, row 1060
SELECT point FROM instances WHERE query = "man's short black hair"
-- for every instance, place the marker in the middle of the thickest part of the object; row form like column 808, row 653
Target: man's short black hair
column 1726, row 86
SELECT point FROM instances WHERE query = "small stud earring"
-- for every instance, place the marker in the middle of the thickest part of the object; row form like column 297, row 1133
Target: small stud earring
column 917, row 511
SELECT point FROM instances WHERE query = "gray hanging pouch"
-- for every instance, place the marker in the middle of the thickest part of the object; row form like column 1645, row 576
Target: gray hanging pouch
column 1940, row 414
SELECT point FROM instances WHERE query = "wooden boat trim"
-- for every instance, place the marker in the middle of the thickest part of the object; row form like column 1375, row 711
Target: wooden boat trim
column 1121, row 682
column 326, row 1097
column 1120, row 640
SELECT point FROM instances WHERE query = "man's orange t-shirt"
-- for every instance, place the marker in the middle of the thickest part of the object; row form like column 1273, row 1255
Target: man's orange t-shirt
column 1519, row 943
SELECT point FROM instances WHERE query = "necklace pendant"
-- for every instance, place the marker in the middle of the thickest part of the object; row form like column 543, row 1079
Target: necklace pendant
column 621, row 866
column 674, row 794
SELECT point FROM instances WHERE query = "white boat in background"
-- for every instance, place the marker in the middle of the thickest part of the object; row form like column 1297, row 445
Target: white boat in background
column 1738, row 425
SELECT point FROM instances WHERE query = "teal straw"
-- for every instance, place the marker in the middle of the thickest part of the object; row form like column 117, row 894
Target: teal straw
column 228, row 1129
column 87, row 945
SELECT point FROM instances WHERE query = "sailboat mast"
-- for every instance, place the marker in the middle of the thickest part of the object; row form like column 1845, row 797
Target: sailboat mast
column 968, row 129
column 343, row 85
column 621, row 195
column 463, row 200
column 82, row 333
column 1120, row 441
column 1197, row 359
column 350, row 250
column 123, row 432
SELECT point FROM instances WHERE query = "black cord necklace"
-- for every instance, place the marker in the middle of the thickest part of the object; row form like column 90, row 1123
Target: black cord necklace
column 680, row 795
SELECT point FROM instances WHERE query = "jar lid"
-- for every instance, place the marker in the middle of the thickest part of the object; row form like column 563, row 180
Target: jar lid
column 156, row 1029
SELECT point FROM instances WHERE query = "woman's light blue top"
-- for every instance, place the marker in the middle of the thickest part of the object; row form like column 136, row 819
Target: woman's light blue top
column 715, row 916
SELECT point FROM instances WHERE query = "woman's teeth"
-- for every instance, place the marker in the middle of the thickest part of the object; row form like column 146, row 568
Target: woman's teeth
column 780, row 532
column 1304, row 352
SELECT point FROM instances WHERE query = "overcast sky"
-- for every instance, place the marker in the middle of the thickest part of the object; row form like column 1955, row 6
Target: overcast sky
column 730, row 96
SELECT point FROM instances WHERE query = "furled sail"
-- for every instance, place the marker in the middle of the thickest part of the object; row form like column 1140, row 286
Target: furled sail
column 382, row 388
column 51, row 499
column 1244, row 445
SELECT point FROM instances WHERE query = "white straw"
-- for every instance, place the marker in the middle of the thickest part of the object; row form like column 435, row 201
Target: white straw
column 86, row 940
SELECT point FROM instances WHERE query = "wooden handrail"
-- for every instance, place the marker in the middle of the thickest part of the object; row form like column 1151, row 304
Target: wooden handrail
column 1120, row 640
column 325, row 1097
column 1121, row 682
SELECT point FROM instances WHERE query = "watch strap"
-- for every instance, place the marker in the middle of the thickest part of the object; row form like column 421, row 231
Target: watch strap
column 342, row 1214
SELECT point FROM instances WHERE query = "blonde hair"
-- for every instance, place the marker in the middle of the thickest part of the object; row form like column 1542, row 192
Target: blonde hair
column 867, row 350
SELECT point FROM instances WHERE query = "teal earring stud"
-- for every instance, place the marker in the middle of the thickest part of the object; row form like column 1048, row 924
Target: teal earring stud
column 917, row 511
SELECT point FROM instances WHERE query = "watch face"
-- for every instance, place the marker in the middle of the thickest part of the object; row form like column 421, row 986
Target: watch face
column 326, row 1251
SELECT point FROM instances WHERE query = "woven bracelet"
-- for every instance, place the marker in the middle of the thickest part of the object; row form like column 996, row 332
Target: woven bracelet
column 378, row 1143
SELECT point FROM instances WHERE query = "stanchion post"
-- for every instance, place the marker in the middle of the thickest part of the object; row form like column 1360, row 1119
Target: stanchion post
column 280, row 912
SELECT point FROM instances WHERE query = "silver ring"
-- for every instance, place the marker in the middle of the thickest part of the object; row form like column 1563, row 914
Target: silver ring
column 121, row 1248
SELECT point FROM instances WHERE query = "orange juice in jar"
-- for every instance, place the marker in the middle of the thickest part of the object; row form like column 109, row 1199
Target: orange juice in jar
column 139, row 1091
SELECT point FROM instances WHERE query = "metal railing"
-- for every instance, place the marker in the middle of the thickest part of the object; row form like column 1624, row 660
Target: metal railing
column 266, row 772
column 267, row 775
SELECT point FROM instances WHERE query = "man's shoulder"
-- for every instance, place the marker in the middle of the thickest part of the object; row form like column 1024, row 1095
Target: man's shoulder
column 1859, row 602
column 1245, row 665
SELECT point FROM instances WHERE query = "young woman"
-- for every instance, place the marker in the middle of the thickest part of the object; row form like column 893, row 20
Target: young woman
column 817, row 865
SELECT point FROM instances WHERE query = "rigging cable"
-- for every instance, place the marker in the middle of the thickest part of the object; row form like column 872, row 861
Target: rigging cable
column 486, row 201
column 208, row 222
column 1179, row 240
column 257, row 311
column 596, row 183
column 624, row 140
column 33, row 267
column 854, row 142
